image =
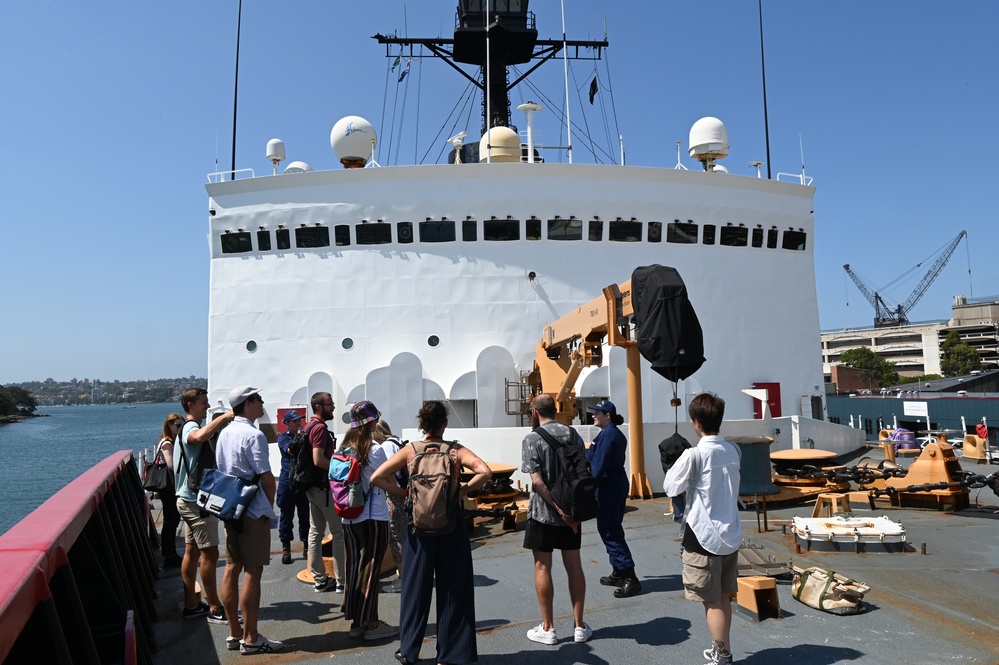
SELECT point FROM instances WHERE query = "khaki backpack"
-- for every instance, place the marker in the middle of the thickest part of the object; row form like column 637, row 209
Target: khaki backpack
column 432, row 502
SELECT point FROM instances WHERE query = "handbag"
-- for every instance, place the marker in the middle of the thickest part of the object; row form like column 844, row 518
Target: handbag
column 156, row 475
column 227, row 497
column 828, row 591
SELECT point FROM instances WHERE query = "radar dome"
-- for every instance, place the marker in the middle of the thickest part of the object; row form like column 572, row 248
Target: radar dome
column 708, row 140
column 275, row 150
column 505, row 145
column 297, row 167
column 353, row 140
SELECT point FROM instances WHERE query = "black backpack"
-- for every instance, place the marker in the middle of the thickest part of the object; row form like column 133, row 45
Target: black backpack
column 572, row 486
column 302, row 471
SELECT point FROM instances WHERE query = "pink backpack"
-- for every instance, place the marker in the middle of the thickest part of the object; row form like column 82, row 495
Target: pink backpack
column 346, row 486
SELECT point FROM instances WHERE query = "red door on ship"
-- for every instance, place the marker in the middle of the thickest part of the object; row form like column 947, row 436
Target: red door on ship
column 773, row 400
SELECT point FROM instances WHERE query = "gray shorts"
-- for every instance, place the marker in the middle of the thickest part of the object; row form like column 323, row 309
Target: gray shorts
column 707, row 577
column 202, row 532
column 248, row 542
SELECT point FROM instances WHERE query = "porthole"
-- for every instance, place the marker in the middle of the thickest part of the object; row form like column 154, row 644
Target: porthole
column 347, row 343
column 251, row 346
column 345, row 418
column 434, row 341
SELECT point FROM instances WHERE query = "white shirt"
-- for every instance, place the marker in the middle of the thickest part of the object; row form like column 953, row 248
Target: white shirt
column 375, row 507
column 713, row 496
column 242, row 452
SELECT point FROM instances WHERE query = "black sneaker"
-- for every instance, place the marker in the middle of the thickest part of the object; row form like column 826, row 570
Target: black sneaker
column 197, row 612
column 217, row 616
column 328, row 584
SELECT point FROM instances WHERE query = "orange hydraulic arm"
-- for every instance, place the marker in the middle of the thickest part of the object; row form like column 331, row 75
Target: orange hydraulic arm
column 576, row 341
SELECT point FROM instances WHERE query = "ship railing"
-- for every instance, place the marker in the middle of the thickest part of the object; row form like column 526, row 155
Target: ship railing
column 77, row 574
column 222, row 176
column 800, row 177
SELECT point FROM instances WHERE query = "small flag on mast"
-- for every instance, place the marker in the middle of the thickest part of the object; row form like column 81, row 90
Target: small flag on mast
column 594, row 88
column 395, row 64
column 402, row 74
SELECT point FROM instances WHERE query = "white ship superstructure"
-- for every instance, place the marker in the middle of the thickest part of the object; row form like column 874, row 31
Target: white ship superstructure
column 406, row 283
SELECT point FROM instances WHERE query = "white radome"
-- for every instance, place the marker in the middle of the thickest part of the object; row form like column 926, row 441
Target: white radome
column 353, row 137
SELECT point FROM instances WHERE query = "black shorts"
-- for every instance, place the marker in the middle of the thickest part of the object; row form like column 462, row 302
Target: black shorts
column 547, row 538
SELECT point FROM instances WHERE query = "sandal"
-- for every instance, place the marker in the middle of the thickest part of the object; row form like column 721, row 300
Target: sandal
column 402, row 659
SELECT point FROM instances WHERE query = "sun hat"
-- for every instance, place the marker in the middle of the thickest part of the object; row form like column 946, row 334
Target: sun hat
column 362, row 413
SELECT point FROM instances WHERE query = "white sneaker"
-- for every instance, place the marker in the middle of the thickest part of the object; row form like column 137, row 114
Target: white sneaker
column 262, row 645
column 582, row 633
column 542, row 636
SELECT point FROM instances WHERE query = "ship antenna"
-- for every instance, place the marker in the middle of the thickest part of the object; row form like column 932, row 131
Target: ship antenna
column 489, row 88
column 679, row 166
column 763, row 68
column 565, row 66
column 235, row 88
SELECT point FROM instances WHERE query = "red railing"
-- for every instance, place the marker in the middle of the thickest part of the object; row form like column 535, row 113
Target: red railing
column 76, row 575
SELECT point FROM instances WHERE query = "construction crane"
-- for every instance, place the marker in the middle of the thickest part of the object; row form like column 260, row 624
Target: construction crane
column 886, row 316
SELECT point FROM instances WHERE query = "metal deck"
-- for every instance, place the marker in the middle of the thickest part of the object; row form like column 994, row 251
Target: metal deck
column 932, row 608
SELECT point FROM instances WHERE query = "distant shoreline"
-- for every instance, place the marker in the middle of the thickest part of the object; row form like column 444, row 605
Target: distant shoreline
column 7, row 420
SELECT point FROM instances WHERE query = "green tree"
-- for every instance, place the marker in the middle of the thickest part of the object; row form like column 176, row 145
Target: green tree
column 7, row 406
column 880, row 372
column 23, row 400
column 956, row 357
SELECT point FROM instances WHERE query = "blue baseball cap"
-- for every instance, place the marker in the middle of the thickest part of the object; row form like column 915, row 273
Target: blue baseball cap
column 292, row 415
column 604, row 405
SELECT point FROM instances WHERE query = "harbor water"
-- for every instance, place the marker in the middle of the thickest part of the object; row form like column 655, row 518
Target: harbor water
column 38, row 456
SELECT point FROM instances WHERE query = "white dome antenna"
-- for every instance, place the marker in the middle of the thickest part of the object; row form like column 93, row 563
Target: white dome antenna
column 275, row 152
column 297, row 167
column 708, row 141
column 353, row 140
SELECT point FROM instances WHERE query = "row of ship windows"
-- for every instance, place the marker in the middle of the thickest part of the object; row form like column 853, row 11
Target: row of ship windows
column 444, row 230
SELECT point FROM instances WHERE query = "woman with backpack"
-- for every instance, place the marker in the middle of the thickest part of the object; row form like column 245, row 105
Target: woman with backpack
column 436, row 550
column 366, row 535
column 171, row 518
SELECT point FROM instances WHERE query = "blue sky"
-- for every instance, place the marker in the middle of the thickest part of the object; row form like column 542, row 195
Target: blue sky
column 114, row 113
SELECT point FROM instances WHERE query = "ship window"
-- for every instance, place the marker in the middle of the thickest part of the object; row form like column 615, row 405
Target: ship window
column 758, row 237
column 373, row 234
column 734, row 236
column 565, row 229
column 533, row 228
column 709, row 234
column 655, row 231
column 236, row 243
column 683, row 233
column 404, row 232
column 347, row 343
column 312, row 236
column 434, row 341
column 442, row 231
column 283, row 238
column 794, row 240
column 772, row 238
column 625, row 231
column 251, row 346
column 469, row 230
column 341, row 235
column 596, row 230
column 501, row 229
column 263, row 240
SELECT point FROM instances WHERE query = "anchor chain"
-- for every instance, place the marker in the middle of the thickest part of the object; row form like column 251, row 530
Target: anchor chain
column 864, row 476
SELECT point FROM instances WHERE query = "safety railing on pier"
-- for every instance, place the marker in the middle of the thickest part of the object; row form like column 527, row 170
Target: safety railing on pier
column 76, row 575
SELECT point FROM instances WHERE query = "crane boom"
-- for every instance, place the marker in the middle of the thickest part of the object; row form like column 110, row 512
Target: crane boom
column 885, row 316
column 934, row 271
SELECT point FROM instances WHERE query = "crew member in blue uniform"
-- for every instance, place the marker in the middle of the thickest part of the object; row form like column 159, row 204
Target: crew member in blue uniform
column 606, row 455
column 288, row 500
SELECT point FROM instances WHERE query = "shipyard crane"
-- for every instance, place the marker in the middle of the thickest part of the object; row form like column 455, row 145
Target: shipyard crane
column 886, row 316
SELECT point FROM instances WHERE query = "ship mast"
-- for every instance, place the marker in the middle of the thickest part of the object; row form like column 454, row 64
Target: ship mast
column 503, row 33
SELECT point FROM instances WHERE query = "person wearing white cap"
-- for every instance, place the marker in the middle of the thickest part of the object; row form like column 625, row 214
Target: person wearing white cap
column 242, row 452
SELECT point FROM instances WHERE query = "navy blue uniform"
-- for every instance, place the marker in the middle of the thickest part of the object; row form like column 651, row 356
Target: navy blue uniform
column 288, row 500
column 606, row 456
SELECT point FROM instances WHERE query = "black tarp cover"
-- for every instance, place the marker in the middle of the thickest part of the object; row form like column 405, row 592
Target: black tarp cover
column 666, row 326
